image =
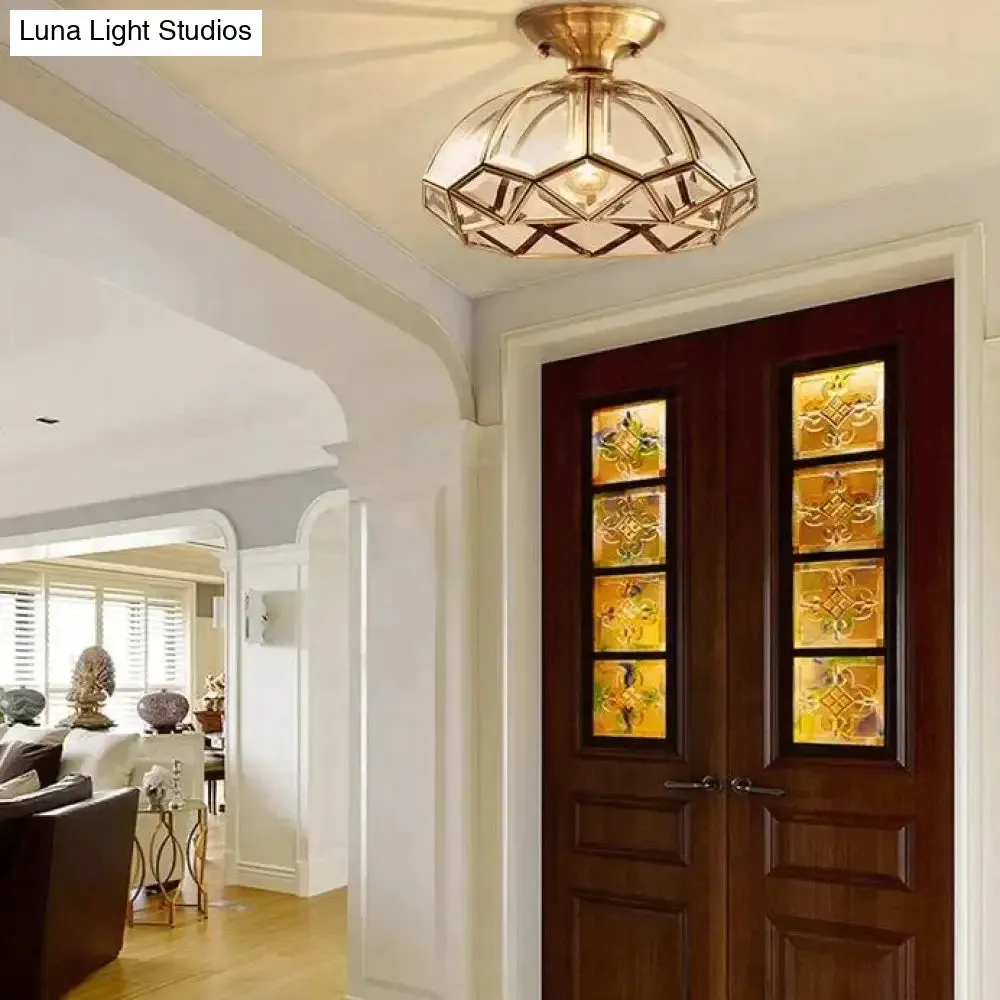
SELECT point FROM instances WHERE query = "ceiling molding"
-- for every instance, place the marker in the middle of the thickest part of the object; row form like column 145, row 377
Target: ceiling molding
column 429, row 310
column 177, row 562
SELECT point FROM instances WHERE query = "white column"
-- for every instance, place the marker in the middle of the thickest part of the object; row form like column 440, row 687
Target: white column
column 325, row 702
column 286, row 756
column 411, row 833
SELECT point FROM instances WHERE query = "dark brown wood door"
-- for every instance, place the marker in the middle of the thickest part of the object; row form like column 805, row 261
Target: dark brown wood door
column 840, row 651
column 634, row 879
column 747, row 565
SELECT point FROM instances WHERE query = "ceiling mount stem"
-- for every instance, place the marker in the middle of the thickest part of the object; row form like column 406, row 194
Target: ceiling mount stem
column 590, row 36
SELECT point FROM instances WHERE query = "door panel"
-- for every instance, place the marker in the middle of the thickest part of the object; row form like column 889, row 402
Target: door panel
column 840, row 651
column 634, row 680
column 747, row 573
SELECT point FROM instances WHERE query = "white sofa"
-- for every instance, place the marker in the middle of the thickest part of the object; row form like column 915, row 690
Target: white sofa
column 120, row 759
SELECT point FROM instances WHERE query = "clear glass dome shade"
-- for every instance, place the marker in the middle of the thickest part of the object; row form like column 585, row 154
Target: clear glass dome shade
column 589, row 166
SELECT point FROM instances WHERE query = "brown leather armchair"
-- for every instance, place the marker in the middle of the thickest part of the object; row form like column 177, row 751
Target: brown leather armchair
column 65, row 863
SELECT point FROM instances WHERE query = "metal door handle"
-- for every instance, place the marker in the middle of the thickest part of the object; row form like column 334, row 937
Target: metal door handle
column 707, row 784
column 744, row 786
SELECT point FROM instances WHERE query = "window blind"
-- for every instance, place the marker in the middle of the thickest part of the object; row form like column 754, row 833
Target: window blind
column 21, row 646
column 48, row 616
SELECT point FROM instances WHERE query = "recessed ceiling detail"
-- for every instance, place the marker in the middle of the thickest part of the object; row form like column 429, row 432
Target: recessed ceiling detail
column 589, row 165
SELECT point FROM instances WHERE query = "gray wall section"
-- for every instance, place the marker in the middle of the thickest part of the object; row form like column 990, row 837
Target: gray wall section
column 264, row 511
column 204, row 594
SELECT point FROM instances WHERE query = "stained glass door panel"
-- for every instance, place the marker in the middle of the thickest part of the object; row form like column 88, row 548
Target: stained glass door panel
column 839, row 486
column 629, row 493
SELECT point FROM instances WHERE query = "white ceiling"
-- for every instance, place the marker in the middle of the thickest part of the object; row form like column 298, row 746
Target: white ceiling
column 829, row 98
column 132, row 382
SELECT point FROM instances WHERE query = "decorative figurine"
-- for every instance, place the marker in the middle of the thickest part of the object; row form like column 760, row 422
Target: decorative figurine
column 213, row 704
column 156, row 784
column 93, row 683
column 214, row 698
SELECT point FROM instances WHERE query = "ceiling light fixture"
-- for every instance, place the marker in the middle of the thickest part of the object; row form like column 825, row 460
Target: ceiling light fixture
column 589, row 165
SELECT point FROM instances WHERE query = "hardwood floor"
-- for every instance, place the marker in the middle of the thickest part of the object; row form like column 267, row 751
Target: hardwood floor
column 254, row 946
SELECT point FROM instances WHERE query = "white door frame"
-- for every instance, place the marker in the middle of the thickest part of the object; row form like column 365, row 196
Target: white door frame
column 955, row 253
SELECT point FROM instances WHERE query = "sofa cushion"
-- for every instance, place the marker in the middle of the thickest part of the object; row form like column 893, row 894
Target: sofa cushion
column 23, row 784
column 65, row 792
column 20, row 733
column 106, row 757
column 19, row 758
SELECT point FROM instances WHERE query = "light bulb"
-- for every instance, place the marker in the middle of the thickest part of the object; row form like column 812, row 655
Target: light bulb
column 587, row 181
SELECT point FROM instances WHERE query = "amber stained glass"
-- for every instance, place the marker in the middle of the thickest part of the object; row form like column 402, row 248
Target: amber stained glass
column 839, row 700
column 839, row 603
column 630, row 698
column 838, row 507
column 839, row 411
column 630, row 613
column 629, row 442
column 630, row 527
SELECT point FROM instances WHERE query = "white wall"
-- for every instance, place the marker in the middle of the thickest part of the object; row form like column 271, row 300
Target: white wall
column 288, row 713
column 262, row 843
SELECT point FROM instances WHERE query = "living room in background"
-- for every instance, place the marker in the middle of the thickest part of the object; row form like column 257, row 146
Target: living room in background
column 50, row 613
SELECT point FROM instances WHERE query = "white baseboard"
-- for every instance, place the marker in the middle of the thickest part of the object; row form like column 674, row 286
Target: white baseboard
column 323, row 874
column 394, row 991
column 273, row 878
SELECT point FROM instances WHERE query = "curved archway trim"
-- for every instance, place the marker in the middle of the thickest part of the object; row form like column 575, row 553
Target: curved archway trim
column 53, row 103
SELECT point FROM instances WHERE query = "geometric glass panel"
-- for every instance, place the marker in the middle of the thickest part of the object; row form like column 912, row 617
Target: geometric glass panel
column 630, row 698
column 629, row 442
column 630, row 527
column 838, row 507
column 588, row 188
column 839, row 603
column 839, row 411
column 839, row 700
column 493, row 192
column 630, row 613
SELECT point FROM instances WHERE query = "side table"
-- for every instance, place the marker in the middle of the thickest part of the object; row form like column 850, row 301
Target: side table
column 165, row 861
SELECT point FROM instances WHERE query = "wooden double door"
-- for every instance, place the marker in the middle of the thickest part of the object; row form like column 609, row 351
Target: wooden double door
column 747, row 648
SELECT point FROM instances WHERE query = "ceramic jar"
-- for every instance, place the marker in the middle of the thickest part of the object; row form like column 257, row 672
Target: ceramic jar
column 22, row 705
column 163, row 710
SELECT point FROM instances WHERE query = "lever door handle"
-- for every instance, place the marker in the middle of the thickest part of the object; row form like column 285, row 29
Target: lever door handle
column 707, row 784
column 744, row 786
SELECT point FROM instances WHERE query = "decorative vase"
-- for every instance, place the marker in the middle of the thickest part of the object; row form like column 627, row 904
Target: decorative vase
column 210, row 722
column 22, row 705
column 163, row 710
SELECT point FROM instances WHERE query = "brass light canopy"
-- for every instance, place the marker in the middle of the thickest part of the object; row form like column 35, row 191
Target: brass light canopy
column 589, row 165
